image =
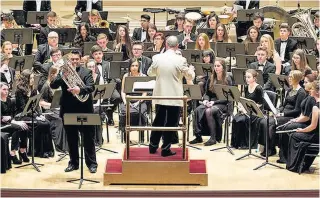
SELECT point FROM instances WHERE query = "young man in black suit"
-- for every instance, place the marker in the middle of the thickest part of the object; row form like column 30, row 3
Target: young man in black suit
column 285, row 45
column 44, row 31
column 186, row 36
column 265, row 66
column 140, row 34
column 145, row 62
column 70, row 104
column 83, row 6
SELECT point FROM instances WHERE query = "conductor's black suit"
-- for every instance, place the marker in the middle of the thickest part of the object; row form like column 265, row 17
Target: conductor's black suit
column 70, row 104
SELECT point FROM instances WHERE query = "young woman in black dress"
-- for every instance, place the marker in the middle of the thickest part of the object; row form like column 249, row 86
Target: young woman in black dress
column 122, row 42
column 83, row 35
column 208, row 116
column 240, row 122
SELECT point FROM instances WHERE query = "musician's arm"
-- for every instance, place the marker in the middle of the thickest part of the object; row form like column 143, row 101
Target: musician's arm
column 277, row 62
column 123, row 95
column 89, row 84
column 314, row 121
column 186, row 71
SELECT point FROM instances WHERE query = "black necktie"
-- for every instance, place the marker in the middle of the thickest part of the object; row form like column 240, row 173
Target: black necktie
column 284, row 41
column 260, row 65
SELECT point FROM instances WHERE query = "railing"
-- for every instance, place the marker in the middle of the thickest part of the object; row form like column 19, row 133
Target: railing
column 183, row 128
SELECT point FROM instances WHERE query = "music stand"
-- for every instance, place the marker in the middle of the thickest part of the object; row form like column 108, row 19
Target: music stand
column 149, row 54
column 65, row 51
column 147, row 45
column 85, row 16
column 202, row 69
column 19, row 36
column 246, row 15
column 100, row 93
column 167, row 33
column 112, row 56
column 262, row 32
column 207, row 31
column 20, row 63
column 229, row 50
column 34, row 17
column 192, row 55
column 191, row 45
column 312, row 61
column 251, row 108
column 129, row 87
column 19, row 17
column 281, row 83
column 66, row 35
column 96, row 31
column 304, row 42
column 252, row 48
column 243, row 61
column 240, row 78
column 87, row 47
column 229, row 93
column 118, row 69
column 31, row 106
column 82, row 119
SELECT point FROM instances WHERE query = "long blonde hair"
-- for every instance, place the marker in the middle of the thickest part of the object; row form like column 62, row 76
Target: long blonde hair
column 270, row 47
column 206, row 39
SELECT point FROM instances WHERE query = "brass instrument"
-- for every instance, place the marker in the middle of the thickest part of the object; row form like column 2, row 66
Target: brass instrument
column 103, row 24
column 72, row 79
column 305, row 27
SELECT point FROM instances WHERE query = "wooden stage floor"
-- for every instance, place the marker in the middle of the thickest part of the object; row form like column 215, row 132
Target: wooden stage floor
column 224, row 173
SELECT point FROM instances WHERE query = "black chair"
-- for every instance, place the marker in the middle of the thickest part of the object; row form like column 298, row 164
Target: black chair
column 312, row 151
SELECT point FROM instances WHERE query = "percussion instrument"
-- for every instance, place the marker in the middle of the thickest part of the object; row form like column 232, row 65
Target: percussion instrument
column 193, row 16
column 224, row 19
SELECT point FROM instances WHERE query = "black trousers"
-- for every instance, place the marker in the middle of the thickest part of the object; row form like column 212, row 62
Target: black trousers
column 72, row 132
column 19, row 137
column 166, row 116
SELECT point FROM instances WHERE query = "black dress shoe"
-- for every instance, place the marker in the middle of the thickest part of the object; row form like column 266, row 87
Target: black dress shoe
column 210, row 142
column 15, row 160
column 196, row 141
column 270, row 153
column 24, row 157
column 93, row 169
column 281, row 161
column 166, row 153
column 71, row 168
column 152, row 150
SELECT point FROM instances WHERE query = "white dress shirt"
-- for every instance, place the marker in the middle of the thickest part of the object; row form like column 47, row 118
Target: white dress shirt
column 101, row 81
column 38, row 2
column 283, row 46
column 247, row 4
column 89, row 4
column 143, row 35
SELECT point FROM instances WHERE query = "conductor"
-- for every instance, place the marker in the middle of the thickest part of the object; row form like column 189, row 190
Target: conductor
column 169, row 69
column 70, row 104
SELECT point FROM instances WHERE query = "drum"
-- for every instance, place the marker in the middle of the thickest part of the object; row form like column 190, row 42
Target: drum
column 193, row 16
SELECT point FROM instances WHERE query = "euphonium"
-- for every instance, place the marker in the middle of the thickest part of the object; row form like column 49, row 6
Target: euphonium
column 305, row 27
column 72, row 79
column 103, row 24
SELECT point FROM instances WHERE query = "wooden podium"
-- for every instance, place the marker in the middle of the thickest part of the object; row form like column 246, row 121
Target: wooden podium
column 138, row 166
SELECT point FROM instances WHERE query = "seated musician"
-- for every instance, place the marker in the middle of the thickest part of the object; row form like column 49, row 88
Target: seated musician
column 159, row 43
column 83, row 35
column 44, row 31
column 145, row 62
column 258, row 19
column 140, row 34
column 288, row 110
column 102, row 41
column 178, row 25
column 308, row 134
column 253, row 36
column 209, row 114
column 285, row 45
column 212, row 21
column 89, row 5
column 273, row 56
column 221, row 35
column 299, row 62
column 6, row 48
column 202, row 42
column 134, row 70
column 240, row 122
column 186, row 36
column 300, row 122
column 43, row 52
column 103, row 69
column 9, row 23
column 122, row 42
column 316, row 22
column 152, row 30
column 208, row 58
column 265, row 66
column 43, row 138
column 18, row 130
column 94, row 19
column 8, row 74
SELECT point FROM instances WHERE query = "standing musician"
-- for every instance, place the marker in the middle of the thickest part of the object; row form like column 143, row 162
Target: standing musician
column 70, row 104
column 186, row 36
column 87, row 5
column 44, row 31
column 140, row 34
column 169, row 69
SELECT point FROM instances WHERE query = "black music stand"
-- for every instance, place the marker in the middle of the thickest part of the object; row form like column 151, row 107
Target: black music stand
column 251, row 108
column 100, row 93
column 82, row 119
column 34, row 17
column 65, row 51
column 66, row 35
column 118, row 69
column 304, row 42
column 19, row 36
column 192, row 55
column 246, row 15
column 270, row 105
column 207, row 31
column 112, row 56
column 85, row 16
column 252, row 48
column 31, row 106
column 262, row 32
column 229, row 93
column 243, row 61
column 149, row 54
column 96, row 31
column 229, row 50
column 191, row 45
column 202, row 69
column 20, row 63
column 154, row 11
column 281, row 83
column 19, row 17
column 240, row 78
column 167, row 33
column 147, row 45
column 129, row 88
column 193, row 92
column 87, row 47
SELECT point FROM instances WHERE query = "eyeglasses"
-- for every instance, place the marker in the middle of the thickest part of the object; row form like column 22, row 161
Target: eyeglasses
column 74, row 59
column 143, row 21
column 136, row 49
column 55, row 55
column 53, row 37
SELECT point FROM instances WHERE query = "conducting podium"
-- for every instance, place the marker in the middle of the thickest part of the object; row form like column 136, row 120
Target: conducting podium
column 82, row 120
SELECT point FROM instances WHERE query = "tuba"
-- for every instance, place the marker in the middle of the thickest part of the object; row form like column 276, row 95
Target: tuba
column 72, row 79
column 305, row 27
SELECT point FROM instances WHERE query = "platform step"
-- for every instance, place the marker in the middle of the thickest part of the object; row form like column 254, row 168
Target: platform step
column 142, row 154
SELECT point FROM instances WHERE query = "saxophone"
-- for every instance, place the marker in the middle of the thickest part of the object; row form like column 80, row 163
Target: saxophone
column 72, row 79
column 305, row 27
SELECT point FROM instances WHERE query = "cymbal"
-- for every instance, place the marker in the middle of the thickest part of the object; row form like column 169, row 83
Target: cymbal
column 266, row 20
column 128, row 18
column 67, row 16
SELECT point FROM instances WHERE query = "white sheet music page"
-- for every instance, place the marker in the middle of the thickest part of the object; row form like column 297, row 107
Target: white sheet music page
column 144, row 86
column 270, row 104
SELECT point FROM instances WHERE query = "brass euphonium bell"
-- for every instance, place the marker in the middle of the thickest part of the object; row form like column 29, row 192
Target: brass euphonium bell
column 103, row 24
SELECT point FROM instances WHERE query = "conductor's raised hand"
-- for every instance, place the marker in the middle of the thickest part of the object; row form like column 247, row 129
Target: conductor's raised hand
column 74, row 90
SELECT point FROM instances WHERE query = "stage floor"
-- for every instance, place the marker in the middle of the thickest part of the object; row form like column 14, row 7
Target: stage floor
column 224, row 173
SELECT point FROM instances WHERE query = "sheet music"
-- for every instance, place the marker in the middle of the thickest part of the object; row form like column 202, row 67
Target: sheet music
column 272, row 107
column 141, row 86
column 237, row 7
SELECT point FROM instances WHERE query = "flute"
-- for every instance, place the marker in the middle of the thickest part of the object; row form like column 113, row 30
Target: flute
column 284, row 125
